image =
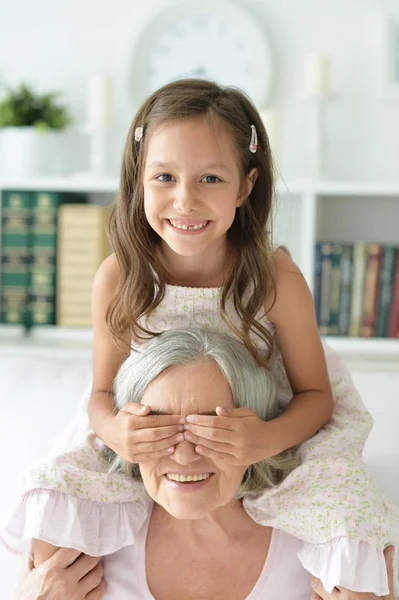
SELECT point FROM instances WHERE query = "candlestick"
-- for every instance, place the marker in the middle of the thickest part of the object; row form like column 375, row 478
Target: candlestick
column 99, row 101
column 270, row 121
column 317, row 75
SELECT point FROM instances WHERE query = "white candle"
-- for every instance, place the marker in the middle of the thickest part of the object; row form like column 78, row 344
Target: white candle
column 317, row 74
column 270, row 121
column 99, row 101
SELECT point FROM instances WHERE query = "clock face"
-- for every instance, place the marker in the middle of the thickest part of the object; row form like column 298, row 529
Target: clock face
column 215, row 41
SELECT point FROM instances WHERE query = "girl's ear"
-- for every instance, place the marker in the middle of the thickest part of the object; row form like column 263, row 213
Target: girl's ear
column 247, row 186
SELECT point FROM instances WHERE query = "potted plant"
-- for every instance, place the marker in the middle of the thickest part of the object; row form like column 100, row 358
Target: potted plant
column 29, row 124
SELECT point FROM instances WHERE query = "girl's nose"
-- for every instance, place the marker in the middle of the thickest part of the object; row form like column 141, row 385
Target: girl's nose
column 185, row 453
column 184, row 200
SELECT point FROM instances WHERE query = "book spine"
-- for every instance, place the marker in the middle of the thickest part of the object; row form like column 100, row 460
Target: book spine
column 43, row 262
column 15, row 257
column 345, row 290
column 393, row 328
column 317, row 282
column 388, row 264
column 325, row 252
column 373, row 266
column 333, row 322
column 82, row 246
column 359, row 270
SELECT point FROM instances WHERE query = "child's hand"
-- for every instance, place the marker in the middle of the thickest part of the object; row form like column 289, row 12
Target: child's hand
column 319, row 593
column 236, row 435
column 137, row 436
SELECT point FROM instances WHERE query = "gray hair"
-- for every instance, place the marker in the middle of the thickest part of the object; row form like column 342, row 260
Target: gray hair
column 252, row 386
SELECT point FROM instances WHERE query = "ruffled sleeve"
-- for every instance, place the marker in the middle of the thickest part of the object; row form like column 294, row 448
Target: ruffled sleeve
column 71, row 499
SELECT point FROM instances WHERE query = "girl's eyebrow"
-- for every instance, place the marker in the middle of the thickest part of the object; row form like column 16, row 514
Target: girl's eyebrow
column 157, row 163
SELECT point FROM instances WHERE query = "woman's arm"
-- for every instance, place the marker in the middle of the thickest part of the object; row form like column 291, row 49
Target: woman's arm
column 294, row 318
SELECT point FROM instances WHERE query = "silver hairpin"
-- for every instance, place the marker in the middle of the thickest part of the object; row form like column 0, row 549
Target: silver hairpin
column 138, row 133
column 253, row 146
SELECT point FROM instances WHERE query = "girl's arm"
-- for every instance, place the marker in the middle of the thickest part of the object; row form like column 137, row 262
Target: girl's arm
column 298, row 337
column 106, row 356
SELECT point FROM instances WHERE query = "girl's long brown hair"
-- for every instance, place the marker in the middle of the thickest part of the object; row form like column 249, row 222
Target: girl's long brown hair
column 251, row 281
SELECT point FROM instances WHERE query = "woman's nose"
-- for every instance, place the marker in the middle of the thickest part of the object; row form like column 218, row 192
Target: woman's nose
column 184, row 201
column 185, row 453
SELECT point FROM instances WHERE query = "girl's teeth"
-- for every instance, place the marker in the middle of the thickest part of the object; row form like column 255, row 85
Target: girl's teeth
column 176, row 477
column 188, row 227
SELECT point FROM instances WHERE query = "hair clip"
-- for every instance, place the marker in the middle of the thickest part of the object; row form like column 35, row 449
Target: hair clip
column 253, row 146
column 138, row 133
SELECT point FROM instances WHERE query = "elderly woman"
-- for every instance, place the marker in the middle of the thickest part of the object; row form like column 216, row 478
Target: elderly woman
column 194, row 538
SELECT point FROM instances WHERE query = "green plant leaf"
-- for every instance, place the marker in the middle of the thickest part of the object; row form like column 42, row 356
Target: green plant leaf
column 21, row 107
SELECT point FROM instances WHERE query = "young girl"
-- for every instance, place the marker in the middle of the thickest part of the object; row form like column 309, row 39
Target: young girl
column 193, row 246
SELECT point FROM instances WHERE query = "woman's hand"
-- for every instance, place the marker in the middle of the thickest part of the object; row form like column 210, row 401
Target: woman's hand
column 236, row 435
column 319, row 593
column 67, row 574
column 137, row 436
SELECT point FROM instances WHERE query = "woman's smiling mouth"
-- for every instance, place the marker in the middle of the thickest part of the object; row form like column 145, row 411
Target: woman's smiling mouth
column 187, row 483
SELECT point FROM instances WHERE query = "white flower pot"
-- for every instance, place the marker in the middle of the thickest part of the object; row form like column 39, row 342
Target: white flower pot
column 26, row 152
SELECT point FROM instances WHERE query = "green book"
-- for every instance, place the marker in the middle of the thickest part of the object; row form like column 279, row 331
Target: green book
column 43, row 263
column 385, row 289
column 325, row 287
column 15, row 257
column 345, row 290
column 333, row 321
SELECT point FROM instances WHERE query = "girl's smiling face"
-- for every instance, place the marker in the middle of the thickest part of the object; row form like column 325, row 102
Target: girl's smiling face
column 193, row 185
column 184, row 390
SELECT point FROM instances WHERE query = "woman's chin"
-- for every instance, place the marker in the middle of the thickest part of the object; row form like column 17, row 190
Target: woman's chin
column 188, row 511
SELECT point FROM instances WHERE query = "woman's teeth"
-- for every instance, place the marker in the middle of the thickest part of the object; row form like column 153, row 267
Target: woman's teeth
column 188, row 227
column 176, row 477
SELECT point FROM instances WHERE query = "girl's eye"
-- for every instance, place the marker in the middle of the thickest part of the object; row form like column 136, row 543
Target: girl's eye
column 164, row 177
column 211, row 179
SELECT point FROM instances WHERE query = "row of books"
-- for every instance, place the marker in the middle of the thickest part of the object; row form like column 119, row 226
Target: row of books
column 51, row 246
column 357, row 289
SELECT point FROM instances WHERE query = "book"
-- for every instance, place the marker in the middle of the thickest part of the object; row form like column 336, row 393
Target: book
column 369, row 314
column 82, row 246
column 325, row 287
column 357, row 292
column 393, row 327
column 345, row 290
column 335, row 285
column 388, row 266
column 317, row 281
column 44, row 225
column 15, row 270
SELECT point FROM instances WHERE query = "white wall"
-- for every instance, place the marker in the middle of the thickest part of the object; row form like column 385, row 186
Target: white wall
column 56, row 44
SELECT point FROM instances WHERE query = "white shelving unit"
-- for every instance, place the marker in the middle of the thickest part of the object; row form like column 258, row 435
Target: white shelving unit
column 305, row 212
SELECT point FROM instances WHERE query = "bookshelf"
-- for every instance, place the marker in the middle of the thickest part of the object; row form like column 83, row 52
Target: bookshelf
column 305, row 212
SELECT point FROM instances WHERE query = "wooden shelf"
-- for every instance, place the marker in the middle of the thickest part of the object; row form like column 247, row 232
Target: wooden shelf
column 77, row 342
column 88, row 183
column 63, row 184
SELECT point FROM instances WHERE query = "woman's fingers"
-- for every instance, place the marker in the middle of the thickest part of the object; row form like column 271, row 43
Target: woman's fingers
column 83, row 564
column 320, row 592
column 90, row 583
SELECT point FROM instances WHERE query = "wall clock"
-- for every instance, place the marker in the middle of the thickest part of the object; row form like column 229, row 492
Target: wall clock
column 212, row 39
